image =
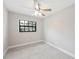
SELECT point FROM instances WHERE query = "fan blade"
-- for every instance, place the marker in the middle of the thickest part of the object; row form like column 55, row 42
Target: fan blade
column 46, row 9
column 43, row 14
column 36, row 5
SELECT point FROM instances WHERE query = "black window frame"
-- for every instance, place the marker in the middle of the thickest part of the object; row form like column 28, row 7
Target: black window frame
column 31, row 27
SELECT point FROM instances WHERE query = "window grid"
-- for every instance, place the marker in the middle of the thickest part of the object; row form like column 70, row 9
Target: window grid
column 27, row 26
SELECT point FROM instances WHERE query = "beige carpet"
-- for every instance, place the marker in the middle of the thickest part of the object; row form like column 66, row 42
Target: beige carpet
column 36, row 51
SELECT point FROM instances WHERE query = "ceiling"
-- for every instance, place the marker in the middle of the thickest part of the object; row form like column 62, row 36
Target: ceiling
column 26, row 6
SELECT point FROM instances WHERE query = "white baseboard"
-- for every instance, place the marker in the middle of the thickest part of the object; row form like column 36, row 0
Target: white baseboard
column 19, row 45
column 62, row 50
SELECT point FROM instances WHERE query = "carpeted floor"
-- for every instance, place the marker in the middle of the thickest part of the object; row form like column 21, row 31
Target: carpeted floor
column 36, row 51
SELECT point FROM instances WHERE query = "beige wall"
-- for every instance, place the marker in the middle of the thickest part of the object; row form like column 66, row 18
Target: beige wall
column 16, row 37
column 5, row 30
column 59, row 29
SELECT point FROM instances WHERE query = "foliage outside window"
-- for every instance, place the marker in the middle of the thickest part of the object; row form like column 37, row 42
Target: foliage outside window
column 27, row 26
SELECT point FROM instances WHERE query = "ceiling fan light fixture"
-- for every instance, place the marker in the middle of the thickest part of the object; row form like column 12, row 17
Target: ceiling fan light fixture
column 38, row 10
column 37, row 13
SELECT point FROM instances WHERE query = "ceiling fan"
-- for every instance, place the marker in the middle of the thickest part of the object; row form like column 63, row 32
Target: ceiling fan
column 38, row 9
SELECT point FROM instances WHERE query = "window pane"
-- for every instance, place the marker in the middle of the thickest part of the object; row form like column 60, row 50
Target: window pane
column 33, row 22
column 34, row 25
column 26, row 24
column 22, row 23
column 26, row 28
column 22, row 28
column 30, row 28
column 26, row 21
column 30, row 23
column 33, row 28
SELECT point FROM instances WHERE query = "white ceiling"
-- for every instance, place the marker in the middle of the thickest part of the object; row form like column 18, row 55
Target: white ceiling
column 26, row 6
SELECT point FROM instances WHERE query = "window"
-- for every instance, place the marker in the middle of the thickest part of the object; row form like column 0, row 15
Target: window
column 27, row 26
